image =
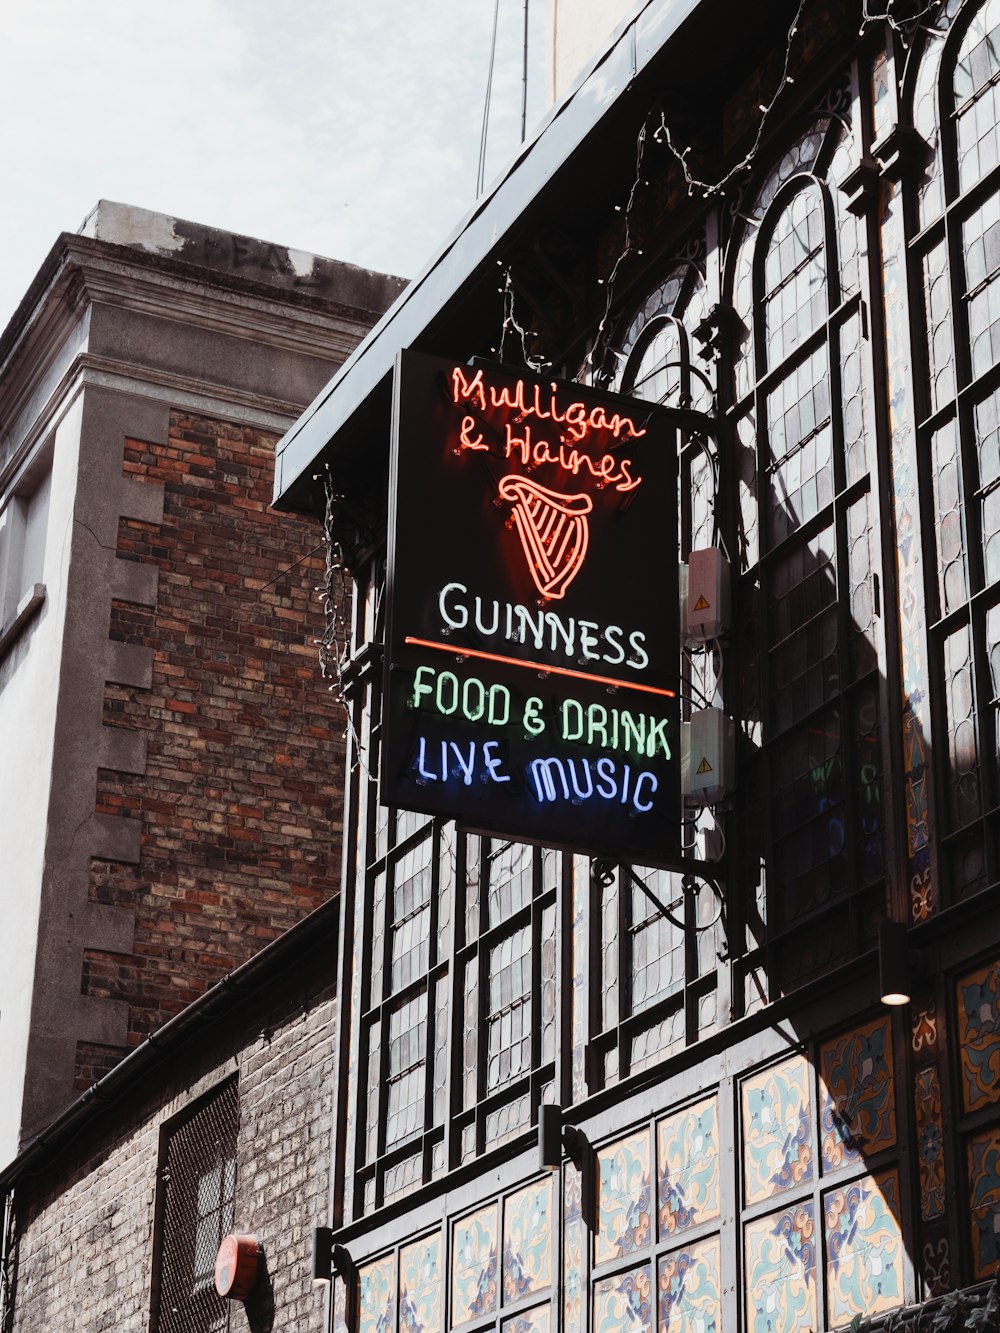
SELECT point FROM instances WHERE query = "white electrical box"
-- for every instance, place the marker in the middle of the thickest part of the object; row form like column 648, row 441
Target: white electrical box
column 708, row 756
column 708, row 595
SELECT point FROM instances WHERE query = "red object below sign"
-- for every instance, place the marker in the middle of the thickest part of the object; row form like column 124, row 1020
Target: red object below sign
column 237, row 1266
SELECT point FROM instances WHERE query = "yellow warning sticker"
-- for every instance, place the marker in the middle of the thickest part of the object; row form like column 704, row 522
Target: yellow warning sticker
column 701, row 604
column 704, row 767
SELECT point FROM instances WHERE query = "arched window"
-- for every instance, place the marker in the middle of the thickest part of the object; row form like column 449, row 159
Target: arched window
column 661, row 366
column 955, row 105
column 807, row 549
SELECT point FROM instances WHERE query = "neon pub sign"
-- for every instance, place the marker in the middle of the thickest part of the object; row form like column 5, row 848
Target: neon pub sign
column 532, row 642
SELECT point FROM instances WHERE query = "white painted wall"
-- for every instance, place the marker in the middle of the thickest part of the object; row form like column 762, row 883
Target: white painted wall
column 29, row 677
column 578, row 31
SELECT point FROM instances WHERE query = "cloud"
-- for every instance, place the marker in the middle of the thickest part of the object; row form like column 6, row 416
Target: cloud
column 352, row 131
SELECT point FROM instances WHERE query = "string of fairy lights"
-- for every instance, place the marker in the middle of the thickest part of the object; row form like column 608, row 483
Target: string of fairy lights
column 656, row 127
column 654, row 133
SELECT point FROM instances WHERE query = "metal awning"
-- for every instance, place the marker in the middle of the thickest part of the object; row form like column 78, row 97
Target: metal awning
column 451, row 308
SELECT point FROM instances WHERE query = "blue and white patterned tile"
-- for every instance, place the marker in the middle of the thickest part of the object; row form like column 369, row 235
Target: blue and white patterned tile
column 864, row 1248
column 777, row 1129
column 857, row 1095
column 687, row 1159
column 781, row 1271
column 420, row 1286
column 377, row 1296
column 527, row 1241
column 689, row 1289
column 626, row 1197
column 474, row 1265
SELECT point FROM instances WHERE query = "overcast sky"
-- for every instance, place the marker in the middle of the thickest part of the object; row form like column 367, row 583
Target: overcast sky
column 348, row 129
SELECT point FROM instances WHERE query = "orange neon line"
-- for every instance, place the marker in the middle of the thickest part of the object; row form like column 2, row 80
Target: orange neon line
column 539, row 666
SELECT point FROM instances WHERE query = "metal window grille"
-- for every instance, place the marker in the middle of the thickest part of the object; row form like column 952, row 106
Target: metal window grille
column 199, row 1183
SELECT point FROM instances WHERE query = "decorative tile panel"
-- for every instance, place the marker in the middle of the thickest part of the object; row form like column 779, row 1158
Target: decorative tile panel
column 781, row 1271
column 537, row 1320
column 574, row 1255
column 527, row 1241
column 626, row 1200
column 864, row 1248
column 339, row 1305
column 377, row 1296
column 687, row 1159
column 979, row 1036
column 777, row 1129
column 624, row 1302
column 984, row 1199
column 689, row 1289
column 930, row 1142
column 474, row 1265
column 857, row 1095
column 420, row 1286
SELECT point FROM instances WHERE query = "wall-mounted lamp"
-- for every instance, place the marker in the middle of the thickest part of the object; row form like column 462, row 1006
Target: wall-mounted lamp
column 329, row 1260
column 557, row 1142
column 550, row 1131
column 895, row 980
column 322, row 1258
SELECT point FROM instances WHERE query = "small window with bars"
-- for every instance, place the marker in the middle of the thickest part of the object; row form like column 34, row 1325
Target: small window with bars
column 198, row 1196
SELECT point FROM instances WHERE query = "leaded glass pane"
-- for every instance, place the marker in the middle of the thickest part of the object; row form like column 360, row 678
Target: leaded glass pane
column 548, row 979
column 981, row 242
column 937, row 309
column 963, row 755
column 511, row 871
column 658, row 376
column 866, row 784
column 795, row 276
column 403, row 1178
column 657, row 1042
column 470, row 1033
column 473, row 883
column 859, row 564
column 701, row 498
column 953, row 576
column 976, row 96
column 509, row 1021
column 988, row 446
column 809, row 815
column 509, row 1120
column 378, row 914
column 411, row 897
column 853, row 395
column 801, row 440
column 803, row 630
column 993, row 648
column 373, row 1089
column 440, row 1049
column 610, row 953
column 407, row 1056
column 746, row 468
column 657, row 946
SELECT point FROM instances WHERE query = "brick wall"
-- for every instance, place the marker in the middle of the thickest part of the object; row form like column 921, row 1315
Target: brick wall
column 240, row 804
column 84, row 1254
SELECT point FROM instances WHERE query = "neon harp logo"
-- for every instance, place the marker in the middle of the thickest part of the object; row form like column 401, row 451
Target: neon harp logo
column 554, row 532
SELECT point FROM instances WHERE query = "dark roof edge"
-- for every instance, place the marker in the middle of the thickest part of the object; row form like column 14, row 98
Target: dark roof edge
column 634, row 46
column 276, row 958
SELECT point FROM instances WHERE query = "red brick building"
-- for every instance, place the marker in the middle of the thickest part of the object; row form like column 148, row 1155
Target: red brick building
column 171, row 802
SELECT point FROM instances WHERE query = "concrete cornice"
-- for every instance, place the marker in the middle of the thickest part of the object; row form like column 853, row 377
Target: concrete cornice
column 197, row 298
column 50, row 344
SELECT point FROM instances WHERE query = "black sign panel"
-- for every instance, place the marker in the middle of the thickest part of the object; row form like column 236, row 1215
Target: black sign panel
column 532, row 654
